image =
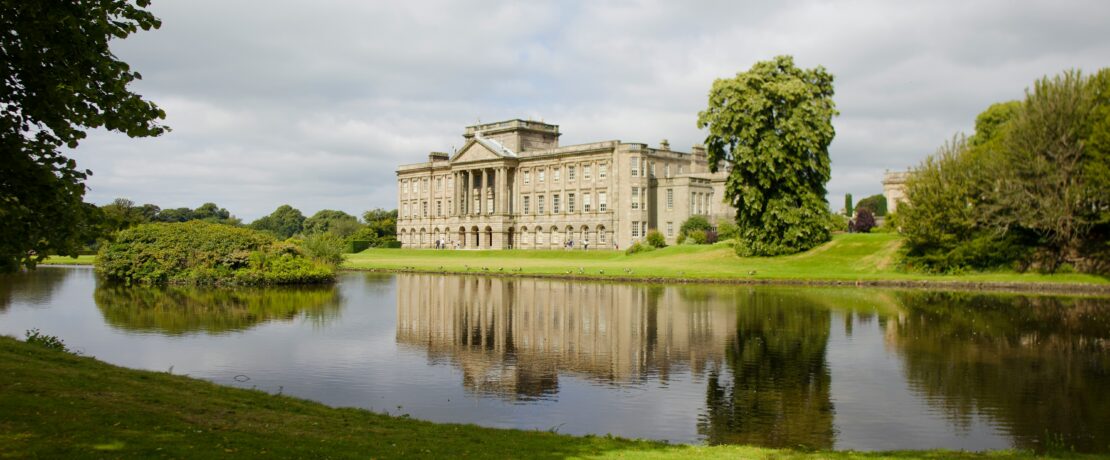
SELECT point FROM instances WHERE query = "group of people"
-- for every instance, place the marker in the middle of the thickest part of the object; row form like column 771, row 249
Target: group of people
column 446, row 244
column 569, row 244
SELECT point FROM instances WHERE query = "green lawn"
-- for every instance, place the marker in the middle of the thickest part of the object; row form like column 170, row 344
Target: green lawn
column 66, row 260
column 57, row 405
column 848, row 257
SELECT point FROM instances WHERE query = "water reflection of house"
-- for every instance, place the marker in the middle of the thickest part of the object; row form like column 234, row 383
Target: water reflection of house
column 514, row 337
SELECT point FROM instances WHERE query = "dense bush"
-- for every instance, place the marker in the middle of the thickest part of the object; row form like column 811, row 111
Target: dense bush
column 864, row 221
column 727, row 230
column 356, row 246
column 697, row 237
column 694, row 223
column 639, row 247
column 325, row 248
column 874, row 203
column 655, row 238
column 1028, row 190
column 198, row 252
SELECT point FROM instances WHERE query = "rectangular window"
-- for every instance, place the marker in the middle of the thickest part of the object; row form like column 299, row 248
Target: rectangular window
column 635, row 168
column 602, row 170
column 693, row 203
column 586, row 202
column 555, row 175
column 642, row 163
column 570, row 173
column 439, row 208
column 635, row 197
column 424, row 204
column 527, row 204
column 540, row 201
column 427, row 183
column 405, row 188
column 635, row 229
column 527, row 177
column 643, row 228
column 555, row 203
column 570, row 202
column 539, row 175
column 439, row 184
column 405, row 210
column 653, row 169
column 667, row 171
column 670, row 228
column 602, row 205
column 586, row 171
column 670, row 199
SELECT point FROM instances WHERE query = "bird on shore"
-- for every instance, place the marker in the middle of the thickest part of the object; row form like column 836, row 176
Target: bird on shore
column 500, row 269
column 601, row 272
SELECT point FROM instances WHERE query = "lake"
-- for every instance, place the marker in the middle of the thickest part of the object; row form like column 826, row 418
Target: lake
column 842, row 368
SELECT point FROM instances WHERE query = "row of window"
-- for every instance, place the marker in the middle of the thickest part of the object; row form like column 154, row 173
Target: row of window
column 572, row 172
column 641, row 167
column 557, row 203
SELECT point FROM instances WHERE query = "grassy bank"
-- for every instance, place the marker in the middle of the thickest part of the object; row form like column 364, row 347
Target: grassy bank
column 847, row 258
column 57, row 405
column 66, row 260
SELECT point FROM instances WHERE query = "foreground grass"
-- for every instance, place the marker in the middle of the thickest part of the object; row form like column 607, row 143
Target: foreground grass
column 848, row 257
column 57, row 405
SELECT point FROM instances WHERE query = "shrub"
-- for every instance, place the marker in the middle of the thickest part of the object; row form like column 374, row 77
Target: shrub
column 355, row 246
column 681, row 238
column 390, row 243
column 727, row 230
column 698, row 237
column 837, row 222
column 864, row 221
column 48, row 341
column 655, row 238
column 695, row 223
column 639, row 247
column 324, row 247
column 198, row 252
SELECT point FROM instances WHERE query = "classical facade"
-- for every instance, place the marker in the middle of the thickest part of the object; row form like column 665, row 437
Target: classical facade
column 511, row 185
column 894, row 189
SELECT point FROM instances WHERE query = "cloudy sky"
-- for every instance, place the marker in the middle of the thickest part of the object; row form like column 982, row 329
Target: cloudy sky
column 314, row 104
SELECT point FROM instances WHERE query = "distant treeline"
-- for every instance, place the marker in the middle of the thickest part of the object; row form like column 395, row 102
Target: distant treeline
column 377, row 228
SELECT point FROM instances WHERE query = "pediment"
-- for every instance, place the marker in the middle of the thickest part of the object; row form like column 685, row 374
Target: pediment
column 474, row 151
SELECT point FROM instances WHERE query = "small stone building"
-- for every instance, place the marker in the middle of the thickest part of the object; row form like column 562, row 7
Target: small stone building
column 511, row 185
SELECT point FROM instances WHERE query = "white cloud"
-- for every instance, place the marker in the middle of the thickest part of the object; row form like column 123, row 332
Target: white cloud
column 315, row 104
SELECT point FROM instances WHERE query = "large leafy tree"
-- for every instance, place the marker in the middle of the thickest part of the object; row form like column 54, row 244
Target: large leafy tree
column 284, row 222
column 58, row 78
column 331, row 221
column 772, row 126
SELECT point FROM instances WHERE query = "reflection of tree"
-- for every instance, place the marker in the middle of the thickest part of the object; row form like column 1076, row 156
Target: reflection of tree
column 177, row 310
column 34, row 286
column 1037, row 366
column 774, row 390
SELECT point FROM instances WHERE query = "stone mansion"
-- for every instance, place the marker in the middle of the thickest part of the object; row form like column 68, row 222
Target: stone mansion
column 512, row 186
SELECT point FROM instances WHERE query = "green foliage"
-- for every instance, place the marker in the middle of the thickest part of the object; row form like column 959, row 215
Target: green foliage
column 697, row 237
column 199, row 252
column 727, row 230
column 638, row 247
column 325, row 248
column 837, row 222
column 772, row 125
column 356, row 246
column 60, row 78
column 284, row 222
column 656, row 239
column 36, row 337
column 874, row 203
column 1028, row 190
column 848, row 204
column 337, row 223
column 681, row 239
column 382, row 223
column 694, row 223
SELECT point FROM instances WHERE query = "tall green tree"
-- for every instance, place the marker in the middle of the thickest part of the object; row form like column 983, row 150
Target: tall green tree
column 284, row 222
column 772, row 126
column 337, row 223
column 874, row 203
column 58, row 78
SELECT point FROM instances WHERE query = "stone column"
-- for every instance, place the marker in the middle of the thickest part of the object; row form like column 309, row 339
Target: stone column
column 482, row 193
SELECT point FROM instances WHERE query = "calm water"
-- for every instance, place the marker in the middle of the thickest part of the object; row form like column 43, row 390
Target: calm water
column 824, row 368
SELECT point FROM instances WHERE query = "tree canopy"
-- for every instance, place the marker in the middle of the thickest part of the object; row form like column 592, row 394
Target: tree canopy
column 772, row 126
column 59, row 78
column 1029, row 189
column 284, row 222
